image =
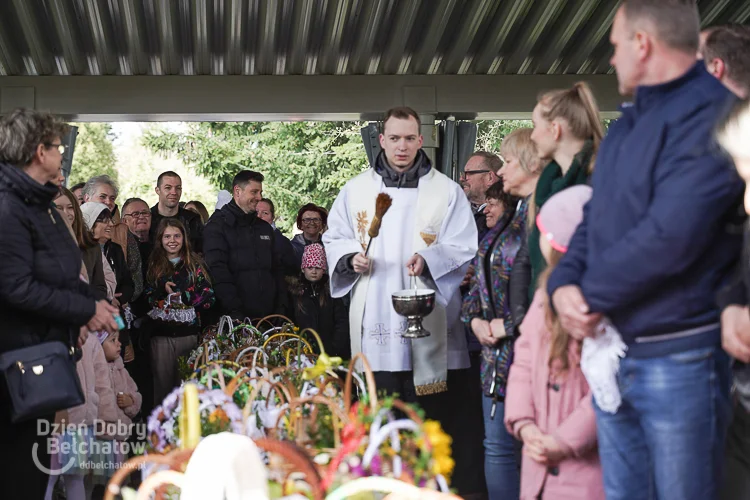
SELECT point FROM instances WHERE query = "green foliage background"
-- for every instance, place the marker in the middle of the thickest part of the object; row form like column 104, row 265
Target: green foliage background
column 94, row 153
column 303, row 161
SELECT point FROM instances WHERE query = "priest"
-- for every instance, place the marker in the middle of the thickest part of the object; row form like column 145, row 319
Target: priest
column 428, row 234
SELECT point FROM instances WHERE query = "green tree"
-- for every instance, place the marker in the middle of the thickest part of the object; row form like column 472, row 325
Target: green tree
column 490, row 133
column 93, row 154
column 302, row 161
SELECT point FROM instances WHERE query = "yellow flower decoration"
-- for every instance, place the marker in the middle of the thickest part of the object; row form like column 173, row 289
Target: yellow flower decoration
column 324, row 362
column 442, row 463
column 322, row 365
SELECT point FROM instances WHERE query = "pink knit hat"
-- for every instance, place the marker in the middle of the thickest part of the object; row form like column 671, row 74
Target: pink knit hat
column 559, row 217
column 314, row 256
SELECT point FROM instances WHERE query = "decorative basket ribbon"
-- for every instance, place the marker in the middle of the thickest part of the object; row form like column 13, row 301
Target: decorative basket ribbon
column 173, row 312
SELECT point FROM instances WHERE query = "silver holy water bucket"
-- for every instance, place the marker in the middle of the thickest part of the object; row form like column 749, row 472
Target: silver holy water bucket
column 414, row 304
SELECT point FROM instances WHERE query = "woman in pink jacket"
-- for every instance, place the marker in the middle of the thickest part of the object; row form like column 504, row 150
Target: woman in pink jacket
column 548, row 402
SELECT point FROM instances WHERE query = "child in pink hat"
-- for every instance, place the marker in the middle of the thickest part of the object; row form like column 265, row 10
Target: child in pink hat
column 312, row 304
column 548, row 403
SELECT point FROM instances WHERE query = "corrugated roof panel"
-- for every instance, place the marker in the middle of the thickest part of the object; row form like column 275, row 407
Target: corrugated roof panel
column 314, row 37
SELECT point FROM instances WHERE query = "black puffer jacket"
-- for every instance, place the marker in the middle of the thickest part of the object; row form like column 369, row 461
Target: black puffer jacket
column 330, row 320
column 247, row 273
column 191, row 220
column 42, row 297
column 287, row 254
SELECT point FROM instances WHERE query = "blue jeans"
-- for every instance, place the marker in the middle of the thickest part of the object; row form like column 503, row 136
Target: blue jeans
column 667, row 438
column 502, row 458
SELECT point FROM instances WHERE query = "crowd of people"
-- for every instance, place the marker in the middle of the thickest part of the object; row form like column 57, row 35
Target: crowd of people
column 591, row 325
column 79, row 262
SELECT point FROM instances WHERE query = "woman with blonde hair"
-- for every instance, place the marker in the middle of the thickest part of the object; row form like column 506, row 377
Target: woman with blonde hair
column 487, row 307
column 567, row 133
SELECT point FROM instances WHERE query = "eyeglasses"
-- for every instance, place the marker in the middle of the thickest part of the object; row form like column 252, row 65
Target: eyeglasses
column 60, row 147
column 312, row 221
column 467, row 173
column 137, row 215
column 106, row 221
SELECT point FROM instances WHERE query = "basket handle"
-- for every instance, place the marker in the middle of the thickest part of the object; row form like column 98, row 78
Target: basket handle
column 271, row 316
column 225, row 320
column 297, row 458
column 399, row 490
column 114, row 487
column 371, row 386
column 336, row 411
column 275, row 388
column 153, row 483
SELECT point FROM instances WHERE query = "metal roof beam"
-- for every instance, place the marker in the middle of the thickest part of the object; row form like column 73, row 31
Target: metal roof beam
column 577, row 17
column 339, row 13
column 300, row 36
column 217, row 45
column 100, row 62
column 520, row 60
column 600, row 24
column 427, row 55
column 742, row 14
column 38, row 60
column 129, row 36
column 268, row 14
column 374, row 13
column 396, row 51
column 712, row 11
column 10, row 63
column 490, row 57
column 200, row 20
column 235, row 15
column 459, row 58
column 314, row 54
column 70, row 63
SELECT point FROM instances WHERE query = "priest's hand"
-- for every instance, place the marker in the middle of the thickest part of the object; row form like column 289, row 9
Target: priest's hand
column 415, row 265
column 361, row 263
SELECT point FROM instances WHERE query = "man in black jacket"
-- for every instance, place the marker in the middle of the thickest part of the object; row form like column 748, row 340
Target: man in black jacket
column 267, row 211
column 239, row 251
column 169, row 189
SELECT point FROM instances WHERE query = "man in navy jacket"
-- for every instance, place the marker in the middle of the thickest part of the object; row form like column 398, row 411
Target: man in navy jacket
column 650, row 255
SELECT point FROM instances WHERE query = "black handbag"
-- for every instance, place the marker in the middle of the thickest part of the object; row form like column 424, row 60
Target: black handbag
column 41, row 380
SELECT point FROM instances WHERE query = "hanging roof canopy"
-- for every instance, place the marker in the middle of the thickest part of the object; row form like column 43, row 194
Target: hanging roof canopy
column 314, row 37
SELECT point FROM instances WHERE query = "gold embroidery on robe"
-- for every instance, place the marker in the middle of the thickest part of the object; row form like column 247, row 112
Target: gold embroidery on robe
column 362, row 224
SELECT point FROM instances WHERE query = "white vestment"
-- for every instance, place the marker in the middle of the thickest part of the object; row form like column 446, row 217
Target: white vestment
column 434, row 220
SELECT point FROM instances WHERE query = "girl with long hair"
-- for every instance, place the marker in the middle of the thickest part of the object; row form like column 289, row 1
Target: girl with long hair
column 178, row 288
column 67, row 204
column 548, row 403
column 567, row 133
